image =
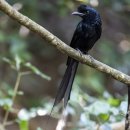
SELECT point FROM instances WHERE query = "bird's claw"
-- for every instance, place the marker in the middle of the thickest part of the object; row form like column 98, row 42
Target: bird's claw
column 79, row 52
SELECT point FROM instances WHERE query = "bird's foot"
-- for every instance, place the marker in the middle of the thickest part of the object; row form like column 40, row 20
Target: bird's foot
column 80, row 52
column 91, row 58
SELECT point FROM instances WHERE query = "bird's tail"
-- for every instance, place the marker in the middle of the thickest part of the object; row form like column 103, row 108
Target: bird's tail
column 66, row 84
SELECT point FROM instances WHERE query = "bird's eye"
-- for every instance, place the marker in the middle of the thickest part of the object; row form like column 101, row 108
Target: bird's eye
column 87, row 12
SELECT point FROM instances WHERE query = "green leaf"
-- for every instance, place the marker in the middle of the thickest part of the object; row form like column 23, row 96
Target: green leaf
column 37, row 71
column 104, row 117
column 23, row 125
column 114, row 102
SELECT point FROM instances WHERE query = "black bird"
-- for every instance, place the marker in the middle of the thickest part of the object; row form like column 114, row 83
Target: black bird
column 88, row 31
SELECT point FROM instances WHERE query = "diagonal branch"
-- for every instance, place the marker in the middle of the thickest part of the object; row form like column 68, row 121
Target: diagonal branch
column 61, row 46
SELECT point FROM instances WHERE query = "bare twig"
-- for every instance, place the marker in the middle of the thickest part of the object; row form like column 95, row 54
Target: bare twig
column 53, row 40
column 13, row 98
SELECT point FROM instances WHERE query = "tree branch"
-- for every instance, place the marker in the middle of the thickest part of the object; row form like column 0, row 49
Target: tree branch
column 61, row 46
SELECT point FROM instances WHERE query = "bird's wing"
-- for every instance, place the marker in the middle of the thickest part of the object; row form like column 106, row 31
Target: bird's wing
column 78, row 34
column 98, row 29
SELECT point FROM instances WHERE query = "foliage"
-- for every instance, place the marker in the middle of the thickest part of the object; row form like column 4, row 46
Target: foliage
column 96, row 98
column 7, row 100
column 95, row 111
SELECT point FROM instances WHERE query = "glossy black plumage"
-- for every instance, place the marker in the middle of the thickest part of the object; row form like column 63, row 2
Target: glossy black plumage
column 88, row 31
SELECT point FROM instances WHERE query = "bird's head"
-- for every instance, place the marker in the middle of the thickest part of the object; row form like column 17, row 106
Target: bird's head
column 85, row 12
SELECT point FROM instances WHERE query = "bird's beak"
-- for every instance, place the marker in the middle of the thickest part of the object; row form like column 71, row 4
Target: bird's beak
column 78, row 13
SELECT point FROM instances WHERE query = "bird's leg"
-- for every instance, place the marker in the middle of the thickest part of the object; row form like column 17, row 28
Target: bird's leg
column 85, row 53
column 80, row 52
column 91, row 58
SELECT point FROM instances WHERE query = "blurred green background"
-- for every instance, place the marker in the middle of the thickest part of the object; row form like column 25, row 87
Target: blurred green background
column 97, row 99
